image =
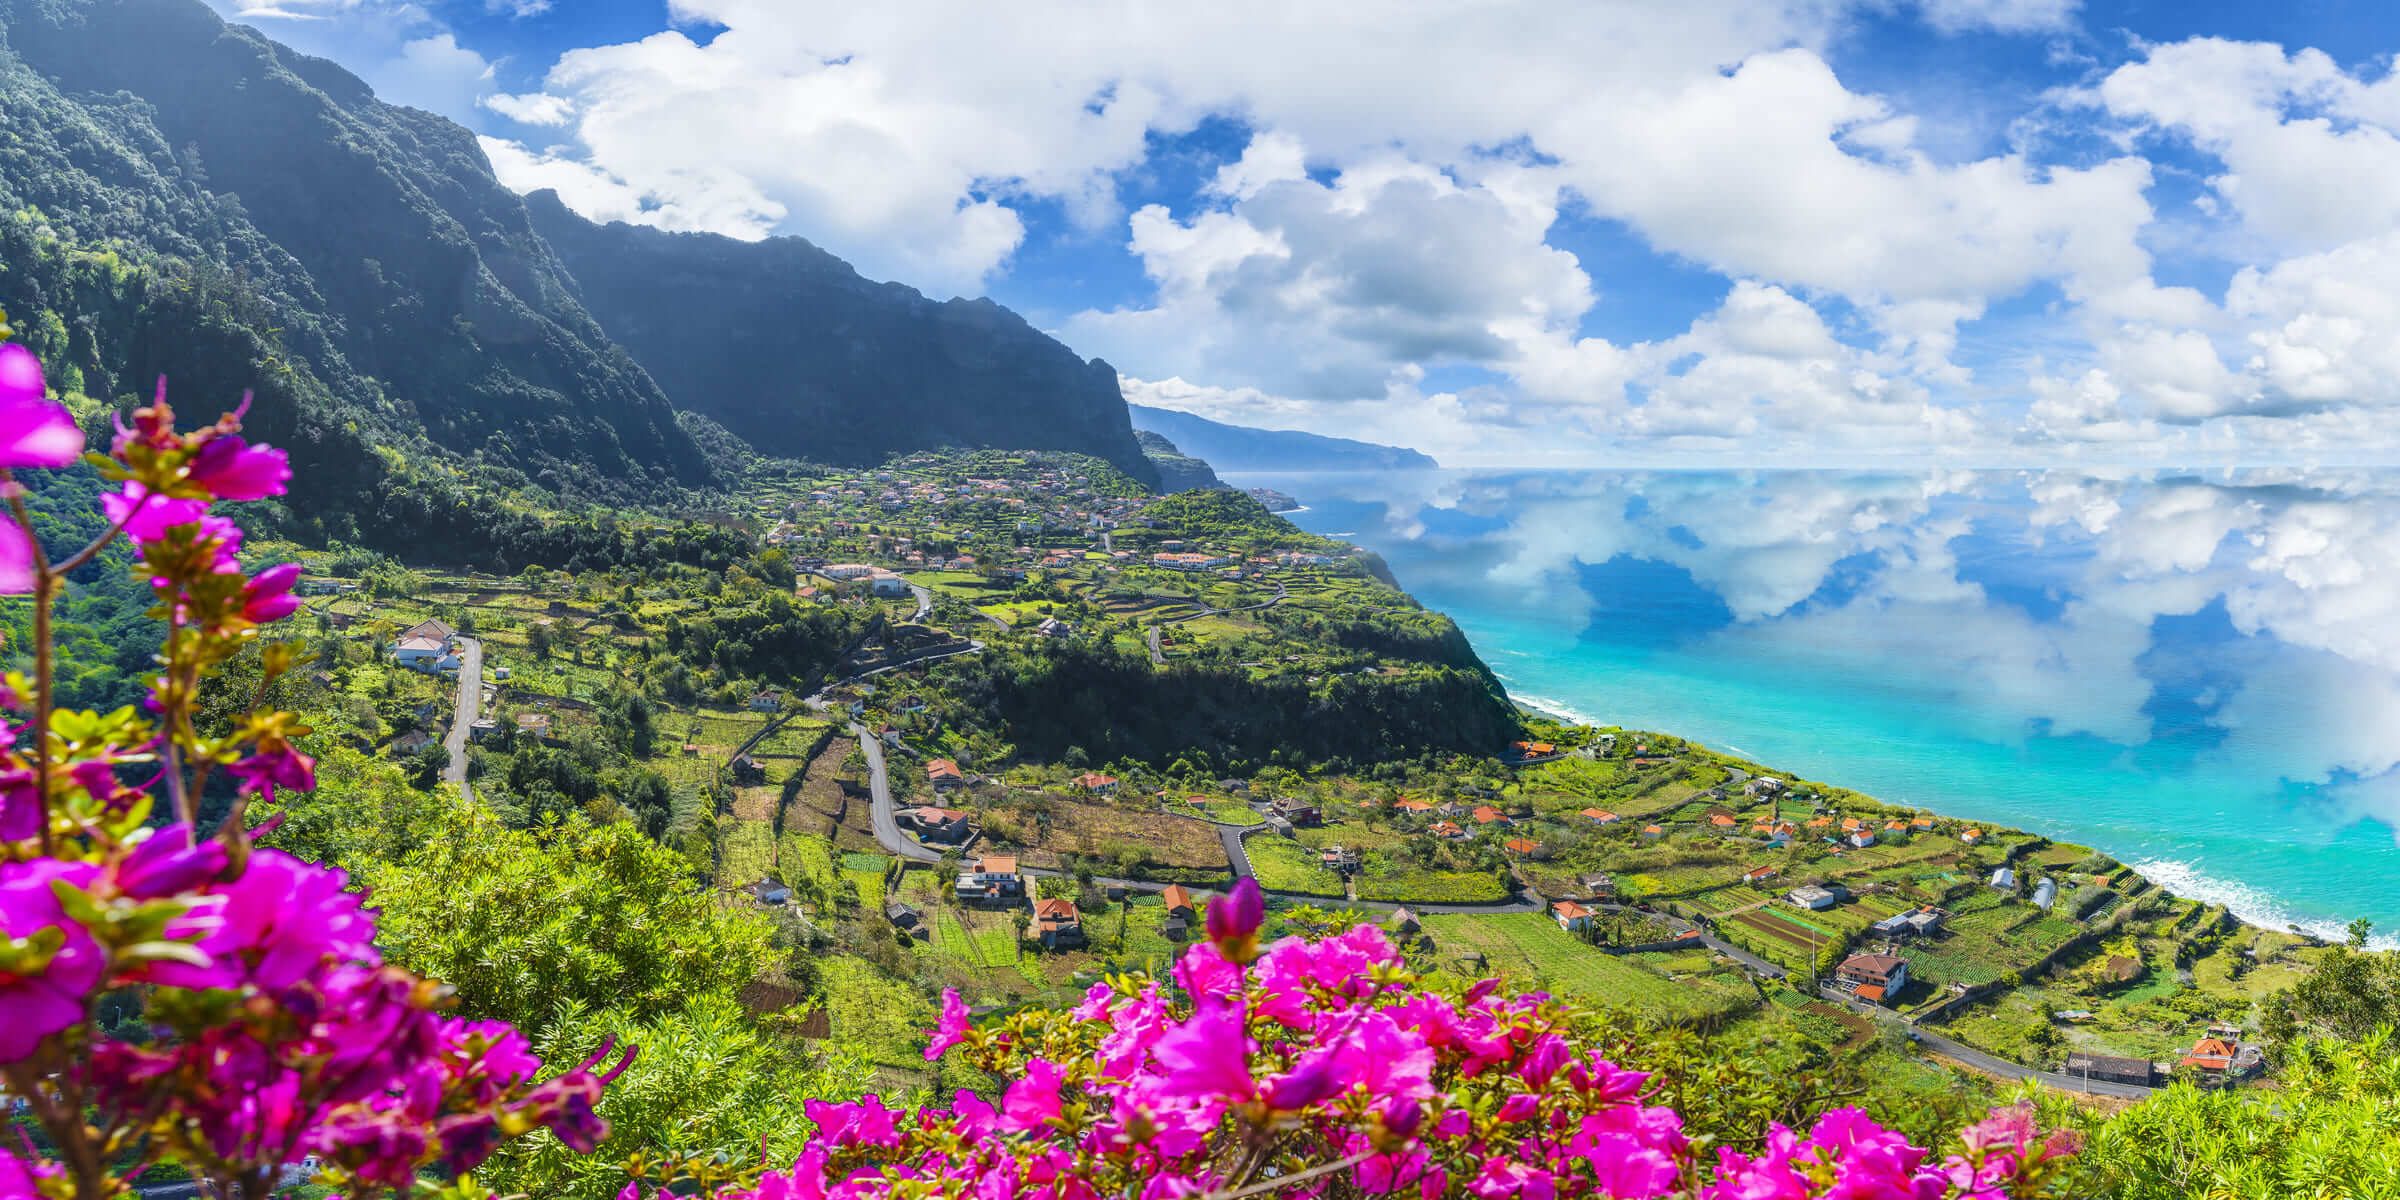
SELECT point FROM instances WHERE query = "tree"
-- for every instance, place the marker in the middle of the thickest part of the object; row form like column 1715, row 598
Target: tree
column 2358, row 931
column 523, row 924
column 1023, row 920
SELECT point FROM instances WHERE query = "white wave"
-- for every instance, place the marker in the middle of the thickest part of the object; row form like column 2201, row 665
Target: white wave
column 1556, row 708
column 2243, row 900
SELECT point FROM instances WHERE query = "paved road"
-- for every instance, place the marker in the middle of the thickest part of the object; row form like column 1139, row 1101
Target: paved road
column 1951, row 1048
column 887, row 819
column 1158, row 657
column 464, row 713
column 1232, row 836
column 924, row 602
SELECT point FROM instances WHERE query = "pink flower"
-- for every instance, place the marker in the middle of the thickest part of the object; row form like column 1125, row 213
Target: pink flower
column 45, row 990
column 21, row 808
column 34, row 430
column 167, row 862
column 268, row 596
column 16, row 559
column 1206, row 1058
column 281, row 920
column 951, row 1029
column 232, row 469
column 864, row 1123
column 147, row 517
column 1317, row 1077
column 1031, row 1102
column 282, row 768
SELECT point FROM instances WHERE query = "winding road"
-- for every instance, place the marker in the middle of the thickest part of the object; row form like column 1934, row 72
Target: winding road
column 464, row 714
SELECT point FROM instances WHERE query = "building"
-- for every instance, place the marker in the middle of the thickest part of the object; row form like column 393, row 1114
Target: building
column 1297, row 810
column 1057, row 924
column 1097, row 783
column 1052, row 627
column 991, row 879
column 1485, row 814
column 1178, row 901
column 1445, row 829
column 1530, row 751
column 938, row 824
column 1971, row 836
column 847, row 571
column 1188, row 561
column 1875, row 978
column 1522, row 847
column 901, row 915
column 1403, row 922
column 1920, row 923
column 944, row 775
column 2110, row 1069
column 1338, row 858
column 2004, row 880
column 1598, row 887
column 1816, row 897
column 2045, row 894
column 766, row 701
column 1572, row 917
column 426, row 647
column 533, row 724
column 1600, row 816
column 748, row 771
column 1757, row 875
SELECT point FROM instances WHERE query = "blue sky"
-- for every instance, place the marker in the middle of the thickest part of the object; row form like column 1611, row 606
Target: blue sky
column 1527, row 232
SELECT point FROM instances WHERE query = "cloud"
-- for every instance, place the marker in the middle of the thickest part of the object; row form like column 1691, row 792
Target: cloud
column 532, row 108
column 2002, row 16
column 402, row 51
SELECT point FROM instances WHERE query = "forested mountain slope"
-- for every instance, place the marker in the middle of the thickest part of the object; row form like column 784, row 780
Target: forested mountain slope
column 787, row 346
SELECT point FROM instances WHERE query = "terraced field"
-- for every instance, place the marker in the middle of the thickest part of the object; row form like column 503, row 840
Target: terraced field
column 1531, row 949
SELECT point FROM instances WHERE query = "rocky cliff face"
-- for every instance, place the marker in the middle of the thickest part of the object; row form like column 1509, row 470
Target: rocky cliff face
column 1177, row 471
column 787, row 346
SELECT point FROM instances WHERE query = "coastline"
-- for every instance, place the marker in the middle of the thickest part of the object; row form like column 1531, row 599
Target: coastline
column 2247, row 904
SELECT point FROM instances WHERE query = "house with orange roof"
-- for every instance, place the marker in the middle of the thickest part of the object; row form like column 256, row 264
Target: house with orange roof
column 1522, row 847
column 1179, row 901
column 1599, row 816
column 1571, row 916
column 1445, row 829
column 1653, row 831
column 1058, row 924
column 1723, row 821
column 1759, row 874
column 1970, row 836
column 944, row 775
column 1413, row 805
column 1820, row 822
column 1485, row 814
column 1096, row 783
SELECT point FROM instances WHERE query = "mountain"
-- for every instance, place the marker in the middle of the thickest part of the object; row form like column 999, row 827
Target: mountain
column 1240, row 448
column 788, row 347
column 388, row 278
column 1177, row 471
column 184, row 196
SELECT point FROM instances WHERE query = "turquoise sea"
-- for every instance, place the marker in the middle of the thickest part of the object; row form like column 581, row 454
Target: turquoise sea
column 2197, row 672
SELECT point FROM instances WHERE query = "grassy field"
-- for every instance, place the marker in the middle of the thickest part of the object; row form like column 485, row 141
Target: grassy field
column 1531, row 949
column 1286, row 866
column 1429, row 886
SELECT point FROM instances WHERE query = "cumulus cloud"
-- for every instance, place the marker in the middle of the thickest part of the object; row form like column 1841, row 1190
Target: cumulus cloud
column 532, row 108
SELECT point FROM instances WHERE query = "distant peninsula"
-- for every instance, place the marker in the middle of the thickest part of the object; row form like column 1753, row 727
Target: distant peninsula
column 1239, row 448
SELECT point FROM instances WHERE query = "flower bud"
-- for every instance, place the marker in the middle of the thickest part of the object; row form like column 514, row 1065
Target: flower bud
column 1234, row 918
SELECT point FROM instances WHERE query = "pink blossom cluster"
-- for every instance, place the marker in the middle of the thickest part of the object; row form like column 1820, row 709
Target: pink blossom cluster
column 270, row 1030
column 1325, row 1068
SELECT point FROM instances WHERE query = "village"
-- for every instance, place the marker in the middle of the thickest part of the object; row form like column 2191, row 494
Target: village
column 1631, row 868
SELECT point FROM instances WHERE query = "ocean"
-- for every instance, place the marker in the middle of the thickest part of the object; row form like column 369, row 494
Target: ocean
column 2198, row 673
